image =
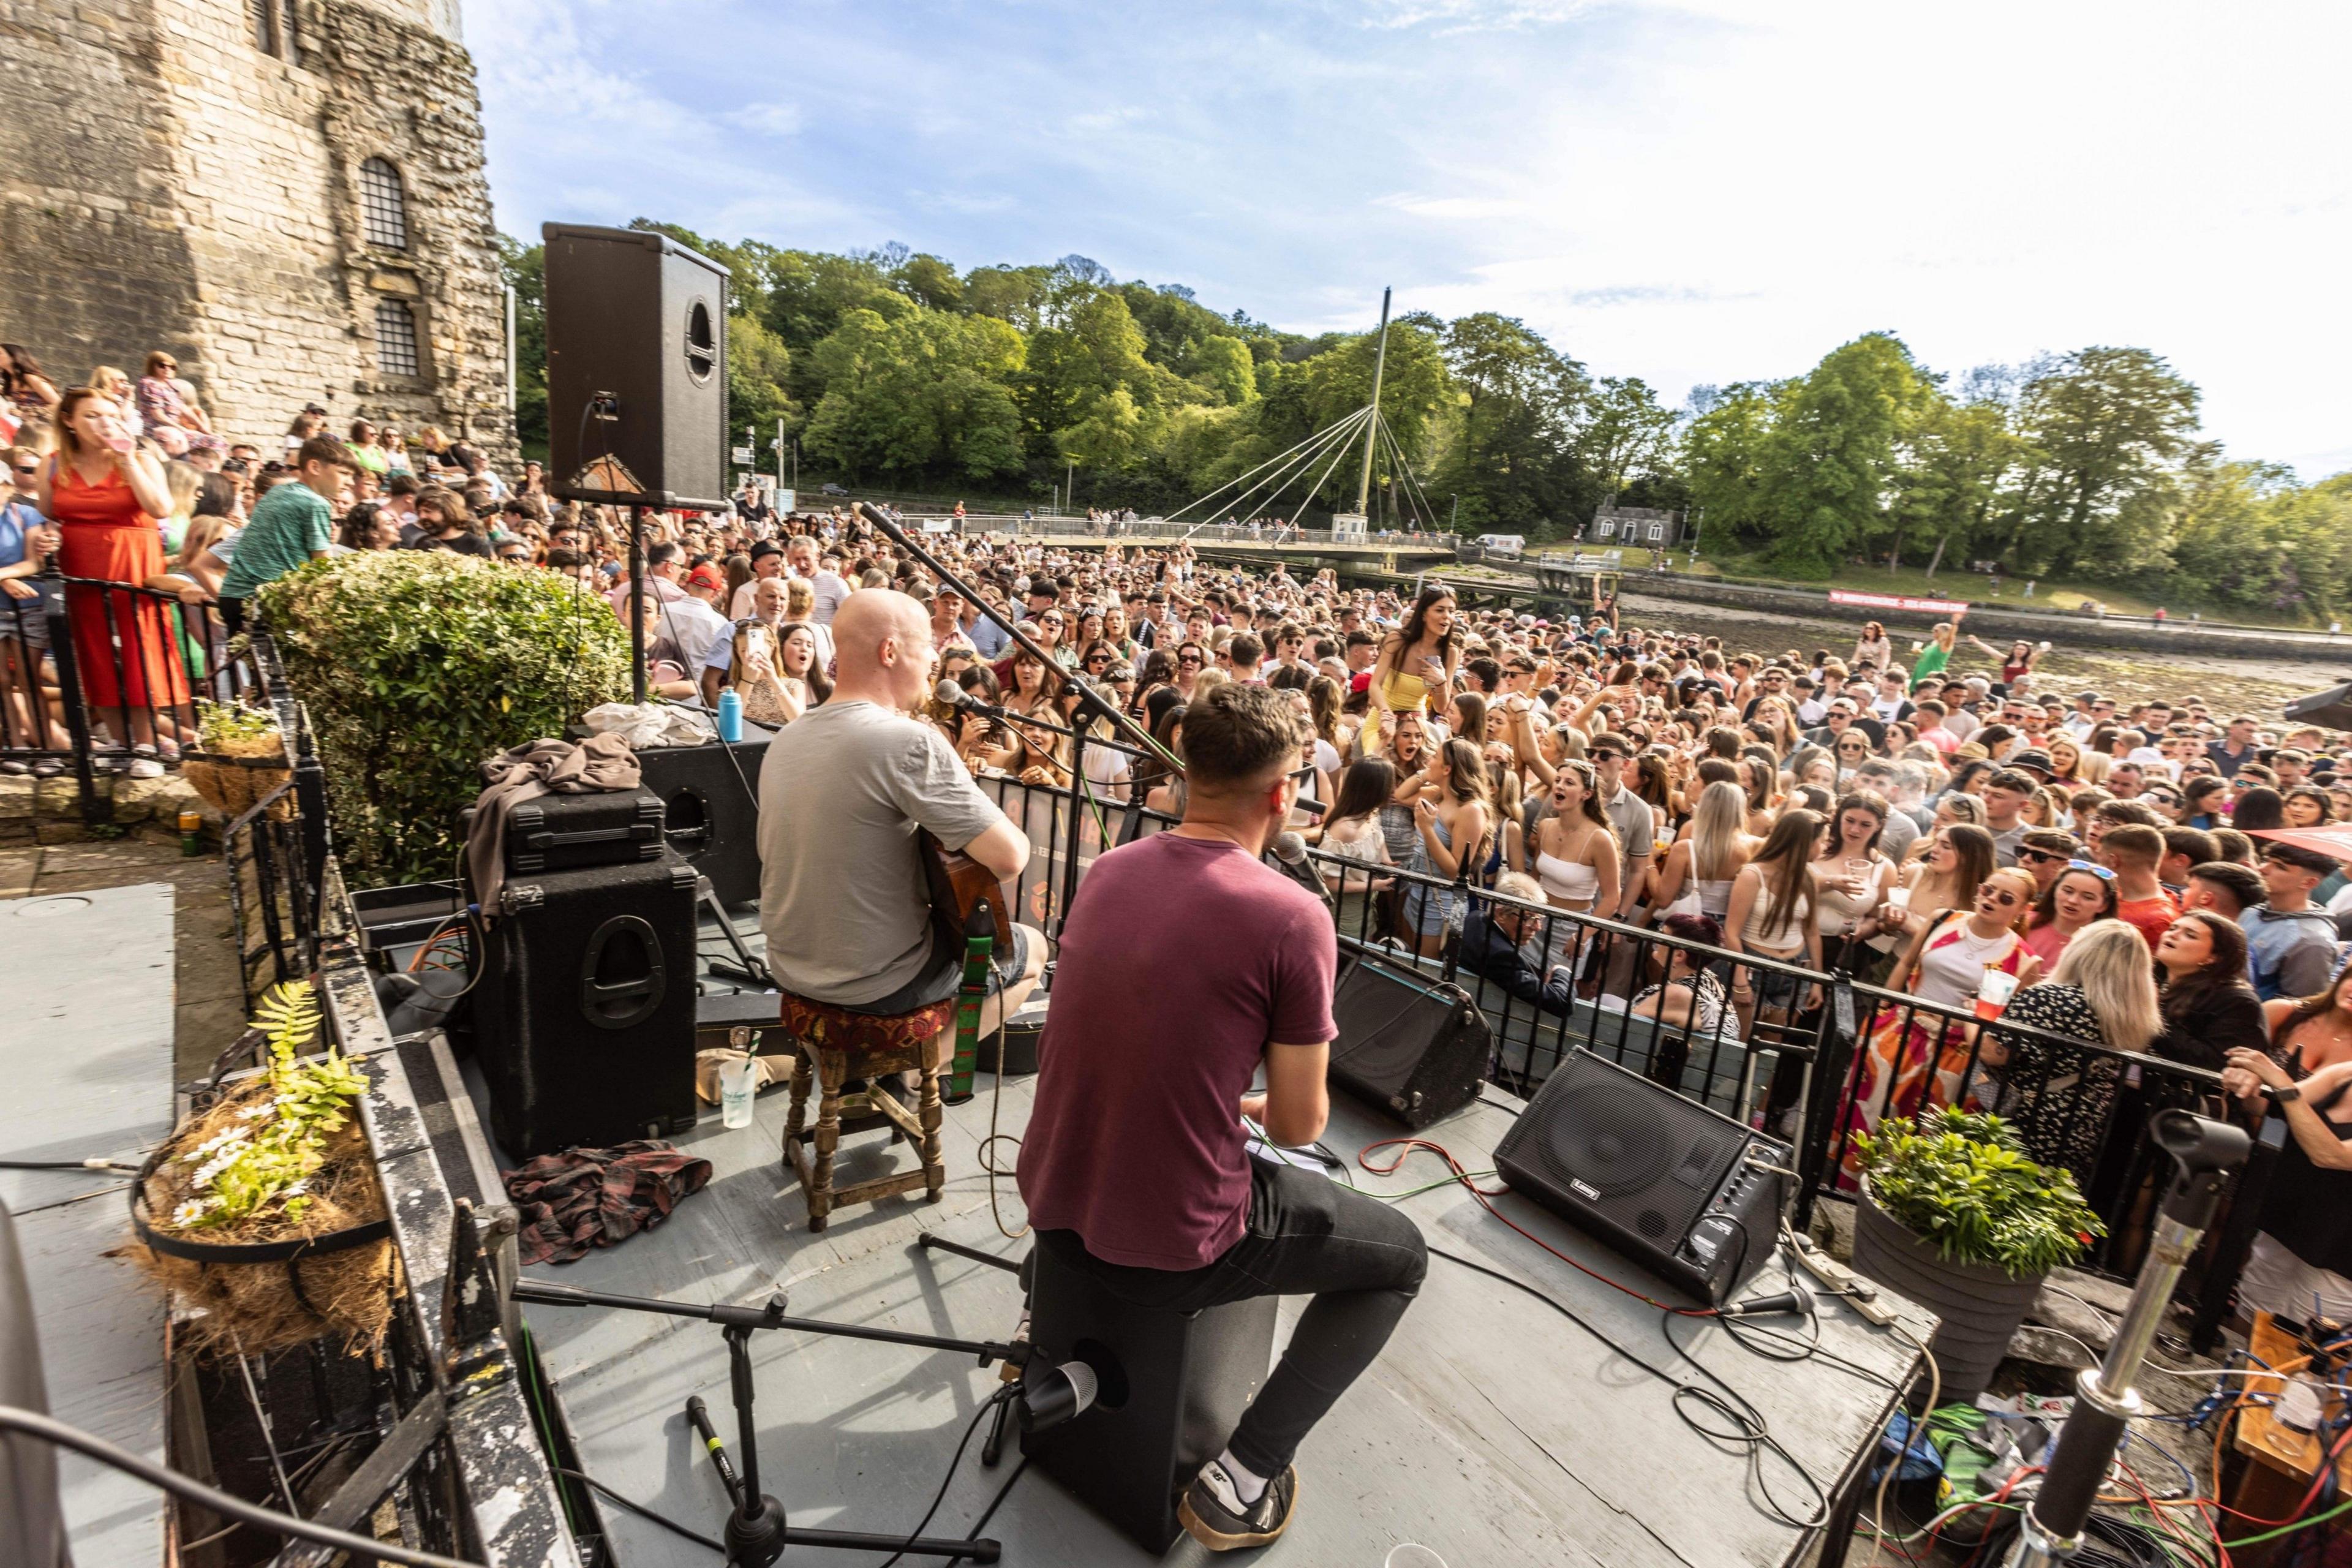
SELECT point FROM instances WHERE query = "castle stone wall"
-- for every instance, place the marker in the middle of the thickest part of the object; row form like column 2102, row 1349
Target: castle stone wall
column 172, row 185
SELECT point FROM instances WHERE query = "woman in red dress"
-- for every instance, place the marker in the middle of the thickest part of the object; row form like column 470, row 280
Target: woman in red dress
column 105, row 495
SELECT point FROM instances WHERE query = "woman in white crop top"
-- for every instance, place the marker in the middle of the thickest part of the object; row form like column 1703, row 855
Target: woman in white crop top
column 1576, row 856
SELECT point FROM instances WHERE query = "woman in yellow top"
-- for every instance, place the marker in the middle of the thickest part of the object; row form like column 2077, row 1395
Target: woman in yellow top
column 1418, row 659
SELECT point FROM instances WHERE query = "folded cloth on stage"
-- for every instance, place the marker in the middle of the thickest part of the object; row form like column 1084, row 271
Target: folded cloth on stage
column 599, row 1197
column 649, row 725
column 526, row 773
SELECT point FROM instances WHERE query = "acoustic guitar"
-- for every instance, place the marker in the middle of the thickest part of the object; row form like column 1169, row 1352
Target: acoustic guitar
column 959, row 888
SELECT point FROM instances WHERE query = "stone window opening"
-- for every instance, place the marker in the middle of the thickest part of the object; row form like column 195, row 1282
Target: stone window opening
column 395, row 339
column 383, row 206
column 273, row 26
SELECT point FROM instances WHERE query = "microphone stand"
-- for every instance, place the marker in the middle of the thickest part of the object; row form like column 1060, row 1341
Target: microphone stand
column 1092, row 705
column 756, row 1534
column 2205, row 1154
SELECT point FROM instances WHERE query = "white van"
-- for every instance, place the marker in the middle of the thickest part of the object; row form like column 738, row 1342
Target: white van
column 1504, row 543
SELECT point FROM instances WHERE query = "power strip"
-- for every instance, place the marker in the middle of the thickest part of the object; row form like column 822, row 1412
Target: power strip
column 1841, row 1281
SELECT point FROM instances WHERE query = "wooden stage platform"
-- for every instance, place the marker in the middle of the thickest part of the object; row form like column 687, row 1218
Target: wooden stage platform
column 1492, row 1430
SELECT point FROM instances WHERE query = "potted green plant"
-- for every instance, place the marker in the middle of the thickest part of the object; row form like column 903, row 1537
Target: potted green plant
column 1957, row 1217
column 262, row 1211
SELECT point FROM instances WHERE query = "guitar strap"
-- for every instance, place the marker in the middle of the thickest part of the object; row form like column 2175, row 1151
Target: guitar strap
column 979, row 940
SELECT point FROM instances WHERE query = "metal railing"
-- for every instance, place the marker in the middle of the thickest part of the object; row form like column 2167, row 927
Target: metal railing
column 1819, row 1058
column 96, row 676
column 458, row 1456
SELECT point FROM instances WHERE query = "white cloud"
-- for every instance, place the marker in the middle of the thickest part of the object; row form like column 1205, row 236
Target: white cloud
column 1699, row 192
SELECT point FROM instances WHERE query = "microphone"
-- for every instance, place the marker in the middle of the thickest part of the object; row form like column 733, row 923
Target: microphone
column 1290, row 848
column 956, row 697
column 1053, row 1392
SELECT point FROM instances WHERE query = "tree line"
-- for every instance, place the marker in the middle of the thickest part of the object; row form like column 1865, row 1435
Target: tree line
column 892, row 369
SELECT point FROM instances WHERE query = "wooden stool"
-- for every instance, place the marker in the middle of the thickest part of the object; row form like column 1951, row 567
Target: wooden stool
column 834, row 1046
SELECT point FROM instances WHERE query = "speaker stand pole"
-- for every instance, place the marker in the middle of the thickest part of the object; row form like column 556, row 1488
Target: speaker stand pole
column 637, row 602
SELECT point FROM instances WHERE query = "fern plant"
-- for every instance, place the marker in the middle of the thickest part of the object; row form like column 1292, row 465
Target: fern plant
column 1965, row 1182
column 262, row 1162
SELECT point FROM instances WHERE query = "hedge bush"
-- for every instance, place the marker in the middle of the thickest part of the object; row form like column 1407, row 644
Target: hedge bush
column 416, row 666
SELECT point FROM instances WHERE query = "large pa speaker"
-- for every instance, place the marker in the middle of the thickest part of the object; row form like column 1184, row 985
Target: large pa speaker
column 584, row 1014
column 711, row 809
column 1408, row 1045
column 637, row 369
column 1666, row 1181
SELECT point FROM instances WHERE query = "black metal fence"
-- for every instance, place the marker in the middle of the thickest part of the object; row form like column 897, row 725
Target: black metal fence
column 99, row 677
column 1816, row 1058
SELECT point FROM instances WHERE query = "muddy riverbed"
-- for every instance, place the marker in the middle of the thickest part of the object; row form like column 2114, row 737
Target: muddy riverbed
column 2258, row 685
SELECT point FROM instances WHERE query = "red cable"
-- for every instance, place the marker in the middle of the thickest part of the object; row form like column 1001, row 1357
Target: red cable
column 1363, row 1158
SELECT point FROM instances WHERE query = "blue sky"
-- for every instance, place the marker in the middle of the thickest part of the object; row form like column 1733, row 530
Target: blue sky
column 1708, row 191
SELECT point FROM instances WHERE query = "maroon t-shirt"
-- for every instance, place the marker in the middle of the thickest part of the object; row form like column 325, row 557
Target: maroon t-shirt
column 1182, row 960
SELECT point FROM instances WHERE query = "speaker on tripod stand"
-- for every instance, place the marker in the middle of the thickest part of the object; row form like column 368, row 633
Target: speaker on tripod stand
column 637, row 369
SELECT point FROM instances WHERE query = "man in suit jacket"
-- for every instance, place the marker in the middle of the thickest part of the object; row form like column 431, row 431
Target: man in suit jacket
column 1506, row 946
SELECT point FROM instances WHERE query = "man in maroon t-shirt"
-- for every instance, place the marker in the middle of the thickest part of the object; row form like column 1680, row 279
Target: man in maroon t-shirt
column 1134, row 1164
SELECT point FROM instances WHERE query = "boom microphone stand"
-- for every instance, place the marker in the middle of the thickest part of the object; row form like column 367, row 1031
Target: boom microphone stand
column 756, row 1532
column 1092, row 705
column 2206, row 1151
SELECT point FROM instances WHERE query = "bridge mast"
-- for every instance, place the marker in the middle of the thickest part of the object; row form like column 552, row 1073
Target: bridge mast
column 1372, row 425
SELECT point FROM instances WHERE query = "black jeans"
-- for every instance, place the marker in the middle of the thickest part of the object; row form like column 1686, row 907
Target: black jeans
column 1307, row 1235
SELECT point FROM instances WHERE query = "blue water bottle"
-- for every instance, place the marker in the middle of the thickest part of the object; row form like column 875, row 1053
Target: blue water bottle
column 731, row 716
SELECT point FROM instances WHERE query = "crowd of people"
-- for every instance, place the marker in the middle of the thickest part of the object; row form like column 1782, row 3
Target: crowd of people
column 1915, row 825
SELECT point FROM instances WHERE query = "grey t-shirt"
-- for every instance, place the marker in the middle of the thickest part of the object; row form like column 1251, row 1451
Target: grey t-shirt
column 842, row 897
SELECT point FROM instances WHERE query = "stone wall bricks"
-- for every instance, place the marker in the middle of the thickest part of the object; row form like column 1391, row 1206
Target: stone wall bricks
column 206, row 199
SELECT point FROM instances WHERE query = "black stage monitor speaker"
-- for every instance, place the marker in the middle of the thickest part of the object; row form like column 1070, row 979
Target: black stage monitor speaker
column 711, row 809
column 1668, row 1183
column 585, row 1016
column 637, row 369
column 1411, row 1045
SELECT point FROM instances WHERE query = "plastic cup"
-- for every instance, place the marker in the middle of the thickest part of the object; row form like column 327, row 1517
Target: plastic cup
column 739, row 1080
column 1993, row 995
column 1411, row 1554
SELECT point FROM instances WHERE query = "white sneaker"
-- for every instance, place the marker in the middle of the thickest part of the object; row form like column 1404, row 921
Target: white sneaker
column 145, row 768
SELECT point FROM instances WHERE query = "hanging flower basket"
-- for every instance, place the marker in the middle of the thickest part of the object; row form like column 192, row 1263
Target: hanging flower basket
column 263, row 1213
column 241, row 758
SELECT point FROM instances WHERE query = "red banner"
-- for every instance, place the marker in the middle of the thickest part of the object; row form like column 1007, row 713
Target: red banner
column 1897, row 602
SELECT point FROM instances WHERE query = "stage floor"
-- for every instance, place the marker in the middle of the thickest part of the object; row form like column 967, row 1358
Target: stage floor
column 1491, row 1430
column 86, row 981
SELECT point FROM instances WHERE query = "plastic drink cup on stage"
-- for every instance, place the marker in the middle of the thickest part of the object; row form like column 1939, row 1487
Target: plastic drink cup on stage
column 1411, row 1554
column 1993, row 995
column 739, row 1080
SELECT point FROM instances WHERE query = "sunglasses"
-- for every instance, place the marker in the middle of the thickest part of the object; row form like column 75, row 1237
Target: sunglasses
column 1852, row 751
column 1608, row 756
column 1188, row 658
column 2005, row 900
column 2101, row 872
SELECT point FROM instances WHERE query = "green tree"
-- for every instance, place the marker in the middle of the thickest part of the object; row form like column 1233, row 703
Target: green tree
column 1623, row 431
column 524, row 268
column 2109, row 428
column 1222, row 366
column 1511, row 460
column 758, row 371
column 1957, row 459
column 930, row 281
column 924, row 393
column 1723, row 446
column 1827, row 465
